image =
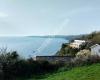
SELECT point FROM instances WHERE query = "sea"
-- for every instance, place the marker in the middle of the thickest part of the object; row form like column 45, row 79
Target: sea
column 32, row 46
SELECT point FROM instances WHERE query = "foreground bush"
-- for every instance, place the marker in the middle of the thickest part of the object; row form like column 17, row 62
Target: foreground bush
column 12, row 66
column 80, row 61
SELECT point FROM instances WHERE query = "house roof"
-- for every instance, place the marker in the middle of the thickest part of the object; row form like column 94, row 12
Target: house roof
column 81, row 41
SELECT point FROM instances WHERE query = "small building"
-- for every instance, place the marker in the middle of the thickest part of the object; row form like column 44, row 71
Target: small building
column 77, row 43
column 95, row 49
column 52, row 59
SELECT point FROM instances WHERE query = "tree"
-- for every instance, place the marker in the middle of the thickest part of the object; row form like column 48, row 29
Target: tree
column 83, row 54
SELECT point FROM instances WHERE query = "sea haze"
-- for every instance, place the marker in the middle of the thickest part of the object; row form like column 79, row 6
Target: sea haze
column 32, row 46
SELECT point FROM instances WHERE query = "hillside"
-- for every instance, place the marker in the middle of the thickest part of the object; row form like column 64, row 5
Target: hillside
column 70, row 37
column 82, row 73
column 94, row 38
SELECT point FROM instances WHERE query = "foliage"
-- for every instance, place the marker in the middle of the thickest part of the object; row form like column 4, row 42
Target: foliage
column 66, row 50
column 83, row 53
column 79, row 73
column 94, row 37
column 12, row 66
column 91, row 39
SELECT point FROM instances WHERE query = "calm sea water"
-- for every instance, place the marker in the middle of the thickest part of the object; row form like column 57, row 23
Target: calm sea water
column 32, row 46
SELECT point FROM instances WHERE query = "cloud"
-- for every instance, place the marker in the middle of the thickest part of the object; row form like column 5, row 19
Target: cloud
column 3, row 15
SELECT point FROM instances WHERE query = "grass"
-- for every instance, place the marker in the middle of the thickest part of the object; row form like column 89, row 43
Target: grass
column 81, row 73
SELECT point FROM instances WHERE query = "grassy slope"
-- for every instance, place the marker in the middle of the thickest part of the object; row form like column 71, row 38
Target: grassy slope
column 82, row 73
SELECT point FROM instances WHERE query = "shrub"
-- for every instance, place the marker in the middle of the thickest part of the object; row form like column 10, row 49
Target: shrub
column 80, row 61
column 83, row 54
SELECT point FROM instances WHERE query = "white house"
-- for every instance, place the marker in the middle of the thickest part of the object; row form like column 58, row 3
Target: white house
column 77, row 43
column 95, row 49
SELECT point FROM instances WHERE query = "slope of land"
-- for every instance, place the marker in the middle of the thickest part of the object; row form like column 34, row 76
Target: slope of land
column 81, row 73
column 94, row 38
column 70, row 37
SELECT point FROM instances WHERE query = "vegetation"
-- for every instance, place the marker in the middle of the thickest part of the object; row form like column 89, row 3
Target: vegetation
column 12, row 66
column 78, row 69
column 66, row 50
column 80, row 73
column 83, row 53
column 93, row 38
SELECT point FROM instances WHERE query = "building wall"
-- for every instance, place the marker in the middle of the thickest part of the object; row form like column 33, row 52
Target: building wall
column 55, row 58
column 73, row 45
column 95, row 50
column 77, row 43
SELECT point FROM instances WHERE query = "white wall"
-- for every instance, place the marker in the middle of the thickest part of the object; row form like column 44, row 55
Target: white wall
column 95, row 50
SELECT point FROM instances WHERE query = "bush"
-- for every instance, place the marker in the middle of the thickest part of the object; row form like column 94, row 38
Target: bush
column 78, row 61
column 13, row 67
column 83, row 54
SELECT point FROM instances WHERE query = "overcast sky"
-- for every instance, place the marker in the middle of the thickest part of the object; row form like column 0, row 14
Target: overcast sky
column 48, row 17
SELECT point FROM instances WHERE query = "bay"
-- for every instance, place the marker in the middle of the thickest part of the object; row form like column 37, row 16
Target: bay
column 32, row 46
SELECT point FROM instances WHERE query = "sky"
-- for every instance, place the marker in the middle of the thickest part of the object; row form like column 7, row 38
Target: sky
column 49, row 17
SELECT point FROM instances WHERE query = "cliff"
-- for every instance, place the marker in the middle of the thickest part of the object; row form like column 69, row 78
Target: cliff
column 93, row 38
